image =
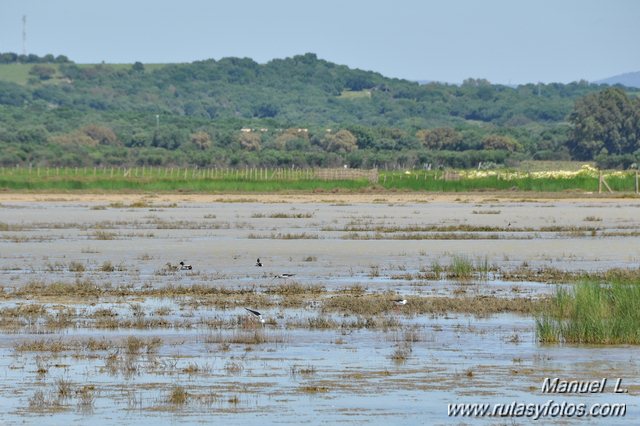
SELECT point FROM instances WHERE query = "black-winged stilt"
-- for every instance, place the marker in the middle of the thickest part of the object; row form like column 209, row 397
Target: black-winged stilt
column 284, row 275
column 400, row 301
column 258, row 263
column 256, row 314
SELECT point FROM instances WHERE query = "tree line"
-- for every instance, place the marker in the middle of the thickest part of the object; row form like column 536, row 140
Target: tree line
column 14, row 58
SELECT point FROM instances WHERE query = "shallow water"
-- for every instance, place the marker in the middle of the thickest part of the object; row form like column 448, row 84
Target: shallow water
column 457, row 358
column 298, row 374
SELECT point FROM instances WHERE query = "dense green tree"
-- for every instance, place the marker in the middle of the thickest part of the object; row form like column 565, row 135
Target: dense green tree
column 42, row 72
column 340, row 141
column 168, row 138
column 101, row 134
column 506, row 143
column 137, row 67
column 439, row 138
column 12, row 94
column 607, row 122
column 249, row 141
column 201, row 139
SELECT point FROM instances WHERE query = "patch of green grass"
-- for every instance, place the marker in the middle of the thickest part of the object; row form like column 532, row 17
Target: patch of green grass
column 592, row 313
column 483, row 267
column 436, row 268
column 161, row 184
column 461, row 267
column 436, row 181
column 19, row 73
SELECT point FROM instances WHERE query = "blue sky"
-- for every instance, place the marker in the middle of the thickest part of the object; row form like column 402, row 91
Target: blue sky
column 504, row 41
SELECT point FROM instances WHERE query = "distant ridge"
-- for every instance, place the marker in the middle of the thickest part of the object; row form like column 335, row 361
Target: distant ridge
column 630, row 79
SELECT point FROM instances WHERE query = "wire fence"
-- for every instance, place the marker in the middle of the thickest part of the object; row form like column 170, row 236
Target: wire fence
column 192, row 173
column 421, row 180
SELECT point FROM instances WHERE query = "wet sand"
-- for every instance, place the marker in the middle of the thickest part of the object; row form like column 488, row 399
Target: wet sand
column 319, row 197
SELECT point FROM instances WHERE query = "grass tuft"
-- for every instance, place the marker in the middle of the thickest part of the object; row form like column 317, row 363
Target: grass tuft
column 461, row 268
column 178, row 395
column 592, row 313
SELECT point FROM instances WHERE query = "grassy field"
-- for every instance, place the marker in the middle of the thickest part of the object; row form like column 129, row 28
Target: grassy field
column 19, row 73
column 16, row 73
column 169, row 179
column 274, row 180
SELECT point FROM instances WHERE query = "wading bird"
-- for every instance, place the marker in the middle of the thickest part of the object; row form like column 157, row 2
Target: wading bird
column 284, row 276
column 258, row 263
column 256, row 314
column 185, row 267
column 399, row 302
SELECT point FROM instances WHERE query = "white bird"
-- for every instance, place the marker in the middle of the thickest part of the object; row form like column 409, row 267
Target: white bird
column 185, row 267
column 258, row 263
column 256, row 314
column 400, row 301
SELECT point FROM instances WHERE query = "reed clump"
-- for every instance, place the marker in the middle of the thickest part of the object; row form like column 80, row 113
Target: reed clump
column 312, row 389
column 178, row 395
column 41, row 402
column 371, row 305
column 592, row 312
column 78, row 288
column 461, row 268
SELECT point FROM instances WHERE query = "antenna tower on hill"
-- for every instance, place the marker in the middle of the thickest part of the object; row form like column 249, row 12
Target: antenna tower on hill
column 24, row 34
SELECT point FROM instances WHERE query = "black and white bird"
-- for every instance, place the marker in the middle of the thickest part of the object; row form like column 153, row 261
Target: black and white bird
column 256, row 314
column 400, row 301
column 258, row 263
column 285, row 275
column 185, row 267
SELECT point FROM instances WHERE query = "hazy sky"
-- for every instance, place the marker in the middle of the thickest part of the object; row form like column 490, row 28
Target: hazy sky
column 504, row 41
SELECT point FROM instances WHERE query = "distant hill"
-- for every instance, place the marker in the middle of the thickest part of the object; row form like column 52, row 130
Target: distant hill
column 630, row 79
column 302, row 90
column 300, row 110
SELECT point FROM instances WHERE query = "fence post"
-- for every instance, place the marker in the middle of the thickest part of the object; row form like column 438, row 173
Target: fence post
column 600, row 182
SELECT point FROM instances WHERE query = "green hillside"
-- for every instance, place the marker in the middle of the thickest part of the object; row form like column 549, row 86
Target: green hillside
column 299, row 111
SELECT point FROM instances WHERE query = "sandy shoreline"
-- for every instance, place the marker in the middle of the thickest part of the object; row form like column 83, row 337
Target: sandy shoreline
column 364, row 197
